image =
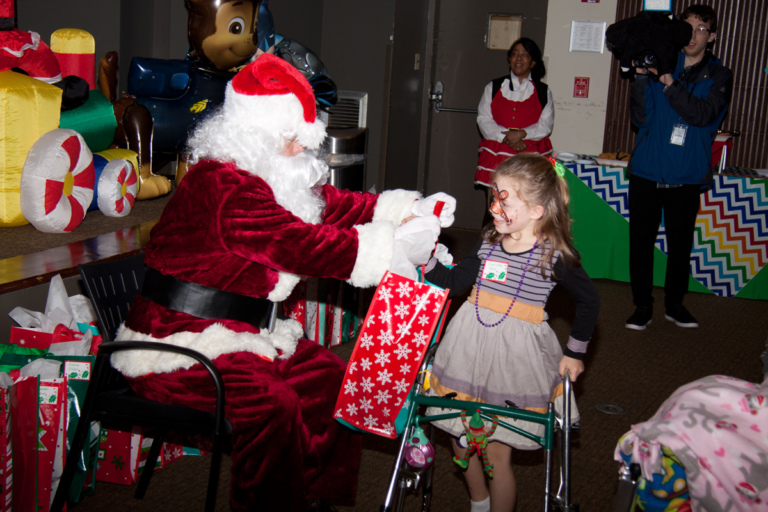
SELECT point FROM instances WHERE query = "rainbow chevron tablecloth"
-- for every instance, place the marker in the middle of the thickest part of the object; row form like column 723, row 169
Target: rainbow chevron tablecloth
column 730, row 248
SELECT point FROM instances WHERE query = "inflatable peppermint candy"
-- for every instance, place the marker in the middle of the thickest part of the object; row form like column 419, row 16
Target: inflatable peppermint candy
column 57, row 182
column 117, row 184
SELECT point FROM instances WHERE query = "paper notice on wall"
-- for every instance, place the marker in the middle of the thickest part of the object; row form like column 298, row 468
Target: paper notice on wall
column 587, row 36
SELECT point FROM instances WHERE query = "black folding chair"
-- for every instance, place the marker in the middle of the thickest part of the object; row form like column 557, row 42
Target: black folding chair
column 112, row 286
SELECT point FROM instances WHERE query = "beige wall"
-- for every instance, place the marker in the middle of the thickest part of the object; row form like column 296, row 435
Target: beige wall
column 579, row 122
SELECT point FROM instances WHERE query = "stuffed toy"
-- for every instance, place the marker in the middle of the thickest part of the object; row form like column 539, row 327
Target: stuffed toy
column 477, row 440
column 650, row 39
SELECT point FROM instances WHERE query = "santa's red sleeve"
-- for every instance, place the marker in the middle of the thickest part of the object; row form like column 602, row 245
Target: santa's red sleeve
column 353, row 243
column 346, row 208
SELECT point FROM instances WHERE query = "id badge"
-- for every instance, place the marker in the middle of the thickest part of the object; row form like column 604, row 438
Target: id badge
column 495, row 271
column 678, row 134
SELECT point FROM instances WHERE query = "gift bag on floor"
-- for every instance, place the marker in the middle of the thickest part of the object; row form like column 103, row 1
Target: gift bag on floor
column 327, row 309
column 23, row 411
column 78, row 370
column 51, row 448
column 118, row 457
column 37, row 432
column 396, row 333
column 6, row 452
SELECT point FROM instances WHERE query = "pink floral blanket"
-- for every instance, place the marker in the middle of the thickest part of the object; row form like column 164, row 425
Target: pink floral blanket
column 717, row 428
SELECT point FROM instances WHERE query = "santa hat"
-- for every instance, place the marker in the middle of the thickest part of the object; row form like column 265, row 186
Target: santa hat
column 271, row 94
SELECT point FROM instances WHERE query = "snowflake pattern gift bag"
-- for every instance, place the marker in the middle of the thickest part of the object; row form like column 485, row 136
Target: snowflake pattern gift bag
column 395, row 335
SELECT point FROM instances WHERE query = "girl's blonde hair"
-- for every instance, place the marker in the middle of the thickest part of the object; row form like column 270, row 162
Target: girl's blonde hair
column 537, row 183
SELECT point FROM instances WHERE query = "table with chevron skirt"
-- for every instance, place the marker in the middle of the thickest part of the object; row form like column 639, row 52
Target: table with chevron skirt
column 730, row 247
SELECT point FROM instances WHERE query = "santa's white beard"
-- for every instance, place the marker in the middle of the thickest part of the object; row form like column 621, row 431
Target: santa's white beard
column 294, row 180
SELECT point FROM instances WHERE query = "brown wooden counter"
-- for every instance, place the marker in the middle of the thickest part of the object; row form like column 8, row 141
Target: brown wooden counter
column 39, row 267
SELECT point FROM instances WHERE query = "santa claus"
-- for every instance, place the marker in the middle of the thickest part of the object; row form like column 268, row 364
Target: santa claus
column 251, row 217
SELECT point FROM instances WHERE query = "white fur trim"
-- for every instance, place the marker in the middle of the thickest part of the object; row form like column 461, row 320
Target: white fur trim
column 280, row 113
column 374, row 253
column 286, row 282
column 212, row 342
column 311, row 136
column 395, row 205
column 49, row 79
column 26, row 46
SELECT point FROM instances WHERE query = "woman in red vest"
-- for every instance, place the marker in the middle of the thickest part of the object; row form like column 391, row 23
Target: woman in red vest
column 516, row 112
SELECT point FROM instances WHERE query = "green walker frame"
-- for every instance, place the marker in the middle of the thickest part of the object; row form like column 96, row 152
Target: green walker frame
column 556, row 438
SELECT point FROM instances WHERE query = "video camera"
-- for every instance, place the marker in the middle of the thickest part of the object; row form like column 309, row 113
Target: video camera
column 645, row 60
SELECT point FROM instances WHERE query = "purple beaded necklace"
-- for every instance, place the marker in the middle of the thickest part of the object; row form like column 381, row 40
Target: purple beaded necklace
column 519, row 286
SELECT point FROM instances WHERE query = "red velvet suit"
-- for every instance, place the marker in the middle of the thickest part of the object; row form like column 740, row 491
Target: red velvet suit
column 224, row 229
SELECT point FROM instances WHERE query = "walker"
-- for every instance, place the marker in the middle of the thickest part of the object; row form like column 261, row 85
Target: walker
column 408, row 476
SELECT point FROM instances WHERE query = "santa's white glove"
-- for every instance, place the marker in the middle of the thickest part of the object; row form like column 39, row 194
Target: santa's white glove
column 414, row 242
column 426, row 206
column 442, row 255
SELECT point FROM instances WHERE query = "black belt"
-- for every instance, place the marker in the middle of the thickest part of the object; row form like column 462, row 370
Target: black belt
column 203, row 301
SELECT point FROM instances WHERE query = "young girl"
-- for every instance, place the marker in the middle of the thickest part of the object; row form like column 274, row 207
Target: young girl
column 498, row 347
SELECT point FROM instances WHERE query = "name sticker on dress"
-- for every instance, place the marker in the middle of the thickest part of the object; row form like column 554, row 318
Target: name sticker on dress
column 495, row 271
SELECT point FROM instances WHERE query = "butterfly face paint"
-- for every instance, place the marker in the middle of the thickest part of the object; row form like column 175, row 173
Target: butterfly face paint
column 498, row 197
column 510, row 213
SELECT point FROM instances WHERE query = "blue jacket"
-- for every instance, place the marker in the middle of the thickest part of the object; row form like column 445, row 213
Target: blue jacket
column 697, row 99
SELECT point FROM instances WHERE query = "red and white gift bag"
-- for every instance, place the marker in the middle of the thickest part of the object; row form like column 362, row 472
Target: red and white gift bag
column 327, row 309
column 122, row 456
column 118, row 457
column 38, row 430
column 6, row 453
column 51, row 450
column 395, row 335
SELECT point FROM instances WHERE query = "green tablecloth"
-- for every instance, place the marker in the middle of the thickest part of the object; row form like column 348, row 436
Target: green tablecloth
column 731, row 240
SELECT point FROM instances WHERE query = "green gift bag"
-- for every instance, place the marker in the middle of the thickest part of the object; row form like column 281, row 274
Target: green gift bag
column 13, row 357
column 78, row 370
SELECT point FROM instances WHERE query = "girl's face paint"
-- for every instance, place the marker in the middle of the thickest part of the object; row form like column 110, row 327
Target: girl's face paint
column 510, row 213
column 499, row 196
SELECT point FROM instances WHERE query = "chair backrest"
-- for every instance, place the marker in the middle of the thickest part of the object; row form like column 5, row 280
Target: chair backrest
column 112, row 285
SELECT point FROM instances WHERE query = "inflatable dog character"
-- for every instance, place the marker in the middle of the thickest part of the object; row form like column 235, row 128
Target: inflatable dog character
column 224, row 35
column 166, row 98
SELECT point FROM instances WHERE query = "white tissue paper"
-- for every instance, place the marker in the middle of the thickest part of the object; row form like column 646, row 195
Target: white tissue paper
column 60, row 309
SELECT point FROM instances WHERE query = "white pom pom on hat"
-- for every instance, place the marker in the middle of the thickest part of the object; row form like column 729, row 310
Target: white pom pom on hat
column 271, row 94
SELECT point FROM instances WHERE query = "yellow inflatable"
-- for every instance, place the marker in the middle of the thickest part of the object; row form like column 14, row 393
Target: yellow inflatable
column 28, row 109
column 75, row 50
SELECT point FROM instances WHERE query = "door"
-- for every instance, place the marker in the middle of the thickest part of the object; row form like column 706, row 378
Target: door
column 463, row 64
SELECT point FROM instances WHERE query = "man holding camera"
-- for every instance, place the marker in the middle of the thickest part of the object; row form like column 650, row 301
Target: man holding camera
column 678, row 115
